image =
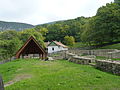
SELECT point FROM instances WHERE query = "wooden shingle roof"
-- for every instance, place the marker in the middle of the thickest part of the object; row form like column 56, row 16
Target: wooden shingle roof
column 36, row 47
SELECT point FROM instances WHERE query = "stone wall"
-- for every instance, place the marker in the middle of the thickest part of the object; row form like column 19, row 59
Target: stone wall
column 109, row 53
column 1, row 84
column 71, row 57
column 79, row 60
column 58, row 55
column 108, row 66
column 104, row 65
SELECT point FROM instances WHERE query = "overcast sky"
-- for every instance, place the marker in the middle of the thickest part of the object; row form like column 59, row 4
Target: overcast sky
column 43, row 11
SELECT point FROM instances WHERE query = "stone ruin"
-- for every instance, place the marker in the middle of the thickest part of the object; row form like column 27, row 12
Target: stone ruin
column 79, row 59
column 108, row 66
column 104, row 65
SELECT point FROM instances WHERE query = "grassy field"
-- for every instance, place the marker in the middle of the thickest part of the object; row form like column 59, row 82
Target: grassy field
column 56, row 75
column 114, row 46
column 80, row 44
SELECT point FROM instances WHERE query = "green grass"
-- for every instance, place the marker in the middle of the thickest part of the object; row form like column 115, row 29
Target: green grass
column 57, row 75
column 79, row 45
column 114, row 46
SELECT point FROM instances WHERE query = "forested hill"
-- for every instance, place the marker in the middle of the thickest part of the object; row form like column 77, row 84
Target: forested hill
column 14, row 26
column 102, row 28
column 47, row 23
column 59, row 29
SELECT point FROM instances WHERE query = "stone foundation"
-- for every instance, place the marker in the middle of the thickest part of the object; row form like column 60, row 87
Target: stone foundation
column 57, row 55
column 77, row 59
column 80, row 60
column 108, row 66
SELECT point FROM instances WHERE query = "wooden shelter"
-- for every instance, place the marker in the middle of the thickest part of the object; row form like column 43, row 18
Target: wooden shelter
column 31, row 48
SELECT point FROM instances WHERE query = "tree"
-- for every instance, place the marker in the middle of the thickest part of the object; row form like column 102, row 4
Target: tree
column 9, row 43
column 25, row 34
column 43, row 31
column 104, row 27
column 58, row 30
column 13, row 46
column 8, row 48
column 69, row 40
column 9, row 34
column 107, row 21
column 117, row 1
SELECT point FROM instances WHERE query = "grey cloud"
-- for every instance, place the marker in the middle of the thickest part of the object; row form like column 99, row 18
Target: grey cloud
column 42, row 11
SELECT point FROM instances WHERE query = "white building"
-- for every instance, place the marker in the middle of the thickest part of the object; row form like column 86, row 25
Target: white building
column 55, row 46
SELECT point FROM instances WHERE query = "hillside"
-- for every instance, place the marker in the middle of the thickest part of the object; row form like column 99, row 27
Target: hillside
column 102, row 28
column 59, row 29
column 55, row 75
column 113, row 46
column 47, row 23
column 14, row 26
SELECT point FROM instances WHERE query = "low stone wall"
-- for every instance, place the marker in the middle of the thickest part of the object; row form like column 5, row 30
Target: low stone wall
column 58, row 55
column 80, row 60
column 77, row 59
column 109, row 53
column 108, row 66
column 69, row 55
column 1, row 84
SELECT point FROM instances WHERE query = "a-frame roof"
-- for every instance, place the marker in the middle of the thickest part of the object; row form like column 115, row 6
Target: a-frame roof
column 25, row 45
column 57, row 44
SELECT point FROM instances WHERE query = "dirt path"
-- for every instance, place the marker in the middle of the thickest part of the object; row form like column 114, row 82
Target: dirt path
column 18, row 78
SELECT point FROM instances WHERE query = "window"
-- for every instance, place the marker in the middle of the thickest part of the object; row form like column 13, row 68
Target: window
column 53, row 49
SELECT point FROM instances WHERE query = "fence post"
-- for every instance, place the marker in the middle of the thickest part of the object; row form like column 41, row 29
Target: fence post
column 1, row 84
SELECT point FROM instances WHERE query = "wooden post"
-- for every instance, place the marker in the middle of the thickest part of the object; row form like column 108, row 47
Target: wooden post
column 1, row 84
column 39, row 56
column 22, row 56
column 42, row 56
column 45, row 56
